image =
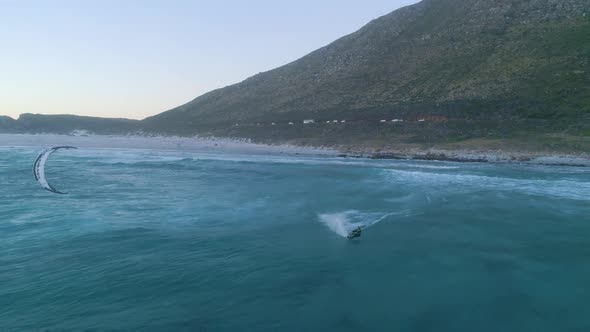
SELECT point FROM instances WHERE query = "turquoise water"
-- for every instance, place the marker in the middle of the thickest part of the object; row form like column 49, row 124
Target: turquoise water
column 178, row 241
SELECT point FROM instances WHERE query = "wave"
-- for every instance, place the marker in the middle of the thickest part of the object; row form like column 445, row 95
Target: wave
column 429, row 166
column 461, row 183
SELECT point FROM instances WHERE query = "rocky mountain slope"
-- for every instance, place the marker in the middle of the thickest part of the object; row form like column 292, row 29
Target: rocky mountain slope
column 455, row 59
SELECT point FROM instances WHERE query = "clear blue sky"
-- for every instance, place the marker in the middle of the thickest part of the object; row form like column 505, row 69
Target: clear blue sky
column 132, row 58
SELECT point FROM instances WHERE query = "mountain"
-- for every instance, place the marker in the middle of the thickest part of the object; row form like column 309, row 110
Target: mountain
column 479, row 67
column 6, row 124
column 65, row 124
column 479, row 73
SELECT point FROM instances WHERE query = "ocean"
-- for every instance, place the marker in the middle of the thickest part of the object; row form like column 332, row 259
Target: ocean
column 164, row 240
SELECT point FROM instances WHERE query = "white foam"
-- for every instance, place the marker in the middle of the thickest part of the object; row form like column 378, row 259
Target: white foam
column 462, row 183
column 155, row 143
column 337, row 223
column 430, row 166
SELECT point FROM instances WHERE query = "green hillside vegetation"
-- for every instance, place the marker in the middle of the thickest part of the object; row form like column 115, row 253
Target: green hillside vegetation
column 494, row 69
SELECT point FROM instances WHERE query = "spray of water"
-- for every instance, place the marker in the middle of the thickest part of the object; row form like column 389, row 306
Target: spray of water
column 342, row 223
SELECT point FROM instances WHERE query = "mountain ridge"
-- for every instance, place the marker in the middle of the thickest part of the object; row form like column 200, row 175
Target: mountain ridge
column 65, row 124
column 349, row 74
column 473, row 69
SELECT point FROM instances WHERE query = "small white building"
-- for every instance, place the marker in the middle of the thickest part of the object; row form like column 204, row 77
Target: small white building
column 308, row 121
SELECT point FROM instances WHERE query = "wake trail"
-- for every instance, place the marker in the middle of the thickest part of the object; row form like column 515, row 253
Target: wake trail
column 342, row 223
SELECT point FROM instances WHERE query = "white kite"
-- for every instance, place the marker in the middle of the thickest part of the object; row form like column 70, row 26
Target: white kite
column 39, row 168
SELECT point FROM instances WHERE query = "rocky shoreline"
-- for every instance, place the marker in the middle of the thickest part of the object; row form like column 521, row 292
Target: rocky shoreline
column 536, row 158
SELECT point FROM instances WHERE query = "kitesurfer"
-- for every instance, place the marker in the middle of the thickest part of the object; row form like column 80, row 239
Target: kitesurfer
column 355, row 233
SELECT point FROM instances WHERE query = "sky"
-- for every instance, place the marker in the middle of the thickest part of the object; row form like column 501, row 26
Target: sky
column 137, row 58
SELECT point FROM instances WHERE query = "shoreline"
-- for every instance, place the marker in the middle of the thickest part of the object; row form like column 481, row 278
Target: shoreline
column 169, row 143
column 467, row 156
column 215, row 144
